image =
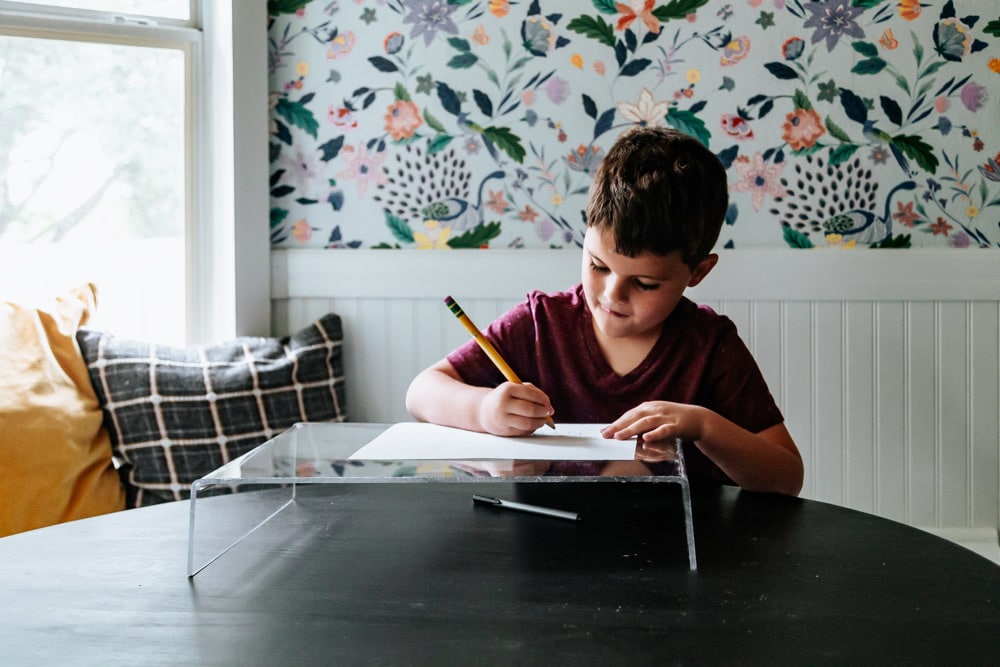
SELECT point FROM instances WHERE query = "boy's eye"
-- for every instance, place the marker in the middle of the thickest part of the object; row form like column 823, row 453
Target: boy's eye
column 597, row 268
column 646, row 286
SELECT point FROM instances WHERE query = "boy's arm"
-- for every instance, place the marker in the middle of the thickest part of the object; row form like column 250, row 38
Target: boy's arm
column 439, row 395
column 765, row 461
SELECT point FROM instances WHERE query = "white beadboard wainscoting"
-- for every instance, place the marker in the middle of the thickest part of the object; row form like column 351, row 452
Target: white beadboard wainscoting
column 885, row 363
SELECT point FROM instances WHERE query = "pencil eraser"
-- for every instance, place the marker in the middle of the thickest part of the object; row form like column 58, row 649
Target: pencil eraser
column 448, row 300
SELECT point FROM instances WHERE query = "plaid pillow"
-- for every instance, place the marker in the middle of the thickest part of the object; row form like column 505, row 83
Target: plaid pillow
column 176, row 414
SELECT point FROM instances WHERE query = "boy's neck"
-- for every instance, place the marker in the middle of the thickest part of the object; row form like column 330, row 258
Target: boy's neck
column 625, row 354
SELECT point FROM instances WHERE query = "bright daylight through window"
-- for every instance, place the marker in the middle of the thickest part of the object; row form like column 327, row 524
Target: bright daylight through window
column 95, row 153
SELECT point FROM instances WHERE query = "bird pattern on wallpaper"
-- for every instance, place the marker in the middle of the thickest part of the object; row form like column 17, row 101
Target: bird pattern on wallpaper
column 478, row 123
column 435, row 191
column 839, row 202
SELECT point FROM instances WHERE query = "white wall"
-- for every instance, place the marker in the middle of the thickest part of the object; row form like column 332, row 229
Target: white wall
column 886, row 363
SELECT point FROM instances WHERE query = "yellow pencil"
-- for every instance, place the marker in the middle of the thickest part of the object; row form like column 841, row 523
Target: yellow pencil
column 487, row 347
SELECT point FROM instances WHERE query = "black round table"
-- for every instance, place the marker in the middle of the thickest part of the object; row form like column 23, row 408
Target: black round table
column 416, row 574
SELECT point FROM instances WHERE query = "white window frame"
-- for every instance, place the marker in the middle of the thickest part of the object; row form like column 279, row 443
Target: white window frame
column 227, row 288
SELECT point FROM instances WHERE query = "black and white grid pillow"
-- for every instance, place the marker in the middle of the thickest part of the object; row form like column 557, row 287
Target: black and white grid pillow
column 177, row 413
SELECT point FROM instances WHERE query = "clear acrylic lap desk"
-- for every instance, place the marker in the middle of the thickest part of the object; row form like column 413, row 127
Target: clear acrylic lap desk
column 320, row 453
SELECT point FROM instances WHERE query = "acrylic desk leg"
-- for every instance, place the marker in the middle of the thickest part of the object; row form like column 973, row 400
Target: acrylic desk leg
column 243, row 533
column 689, row 525
column 191, row 517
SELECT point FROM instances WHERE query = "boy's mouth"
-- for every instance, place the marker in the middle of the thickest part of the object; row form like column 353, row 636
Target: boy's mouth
column 611, row 311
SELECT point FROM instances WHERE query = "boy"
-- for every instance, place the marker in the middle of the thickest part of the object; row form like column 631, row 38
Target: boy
column 625, row 346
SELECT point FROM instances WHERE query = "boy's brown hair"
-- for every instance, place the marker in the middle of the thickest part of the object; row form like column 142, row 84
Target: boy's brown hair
column 660, row 190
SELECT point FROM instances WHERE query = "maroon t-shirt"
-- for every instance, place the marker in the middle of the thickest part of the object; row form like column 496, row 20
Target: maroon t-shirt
column 699, row 359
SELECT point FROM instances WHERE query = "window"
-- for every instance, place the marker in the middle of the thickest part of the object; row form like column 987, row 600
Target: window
column 117, row 142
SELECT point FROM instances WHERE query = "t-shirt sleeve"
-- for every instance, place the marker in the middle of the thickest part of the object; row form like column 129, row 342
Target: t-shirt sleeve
column 739, row 390
column 512, row 334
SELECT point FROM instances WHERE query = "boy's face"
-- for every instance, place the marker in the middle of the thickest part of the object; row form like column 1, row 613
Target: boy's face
column 630, row 297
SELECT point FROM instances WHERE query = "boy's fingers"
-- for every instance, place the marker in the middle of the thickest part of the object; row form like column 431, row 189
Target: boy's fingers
column 532, row 394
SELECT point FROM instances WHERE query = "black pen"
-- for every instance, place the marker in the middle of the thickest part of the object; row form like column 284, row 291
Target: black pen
column 524, row 507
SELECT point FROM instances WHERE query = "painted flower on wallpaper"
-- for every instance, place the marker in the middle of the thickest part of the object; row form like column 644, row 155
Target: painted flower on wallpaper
column 736, row 126
column 430, row 16
column 888, row 40
column 497, row 202
column 991, row 170
column 832, row 20
column 402, row 119
column 973, row 96
column 646, row 112
column 557, row 89
column 342, row 118
column 802, row 128
column 527, row 214
column 301, row 231
column 879, row 154
column 393, row 43
column 941, row 226
column 793, row 48
column 425, row 84
column 838, row 241
column 585, row 158
column 545, row 229
column 362, row 166
column 341, row 45
column 828, row 91
column 637, row 9
column 960, row 240
column 304, row 168
column 953, row 38
column 905, row 215
column 434, row 237
column 538, row 34
column 480, row 37
column 909, row 9
column 472, row 145
column 735, row 50
column 499, row 8
column 759, row 178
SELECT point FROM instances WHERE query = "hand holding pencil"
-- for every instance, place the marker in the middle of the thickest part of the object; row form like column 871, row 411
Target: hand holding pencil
column 488, row 348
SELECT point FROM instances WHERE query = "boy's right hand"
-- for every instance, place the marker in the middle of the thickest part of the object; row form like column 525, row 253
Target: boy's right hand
column 513, row 409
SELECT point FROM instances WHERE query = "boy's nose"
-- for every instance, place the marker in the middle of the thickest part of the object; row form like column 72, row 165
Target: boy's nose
column 614, row 289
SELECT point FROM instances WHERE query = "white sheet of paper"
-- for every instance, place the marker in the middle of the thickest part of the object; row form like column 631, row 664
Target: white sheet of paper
column 420, row 441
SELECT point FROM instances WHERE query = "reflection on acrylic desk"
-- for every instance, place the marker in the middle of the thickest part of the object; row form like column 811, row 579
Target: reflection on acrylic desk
column 417, row 574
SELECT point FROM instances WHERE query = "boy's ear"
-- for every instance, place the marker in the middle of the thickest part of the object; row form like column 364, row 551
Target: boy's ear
column 704, row 267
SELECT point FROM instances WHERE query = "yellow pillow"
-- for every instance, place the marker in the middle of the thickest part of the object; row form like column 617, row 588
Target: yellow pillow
column 55, row 454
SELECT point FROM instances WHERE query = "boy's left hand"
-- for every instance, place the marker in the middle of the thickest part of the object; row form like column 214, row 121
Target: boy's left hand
column 658, row 420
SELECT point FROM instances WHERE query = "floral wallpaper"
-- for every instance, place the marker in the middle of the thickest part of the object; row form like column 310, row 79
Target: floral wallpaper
column 478, row 123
